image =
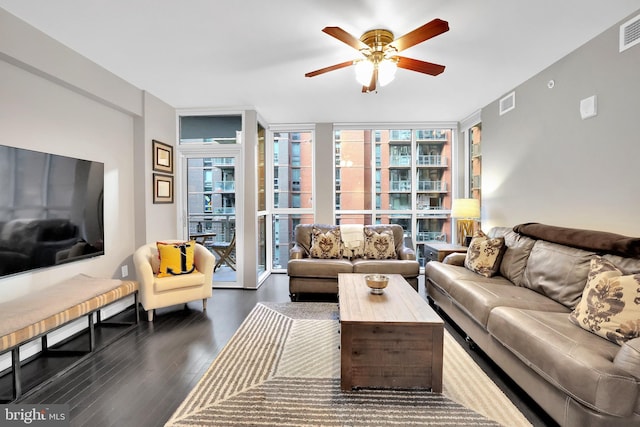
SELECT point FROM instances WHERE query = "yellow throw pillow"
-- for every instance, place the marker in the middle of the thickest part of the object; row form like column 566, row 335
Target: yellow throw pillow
column 610, row 304
column 484, row 254
column 176, row 258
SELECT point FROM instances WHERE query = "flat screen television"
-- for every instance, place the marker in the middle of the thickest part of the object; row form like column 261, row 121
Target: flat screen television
column 51, row 209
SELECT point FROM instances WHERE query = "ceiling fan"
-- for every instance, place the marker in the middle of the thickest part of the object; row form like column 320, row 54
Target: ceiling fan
column 380, row 53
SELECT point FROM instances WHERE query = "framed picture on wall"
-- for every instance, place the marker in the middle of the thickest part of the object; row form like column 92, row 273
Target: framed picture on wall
column 162, row 188
column 162, row 157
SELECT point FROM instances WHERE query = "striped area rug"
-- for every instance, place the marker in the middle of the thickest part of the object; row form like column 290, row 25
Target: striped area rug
column 282, row 368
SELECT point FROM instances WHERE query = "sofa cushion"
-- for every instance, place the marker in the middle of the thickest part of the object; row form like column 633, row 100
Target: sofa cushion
column 570, row 358
column 379, row 245
column 628, row 358
column 478, row 295
column 557, row 271
column 169, row 283
column 610, row 304
column 407, row 268
column 327, row 244
column 310, row 267
column 589, row 240
column 626, row 265
column 176, row 258
column 484, row 254
column 514, row 260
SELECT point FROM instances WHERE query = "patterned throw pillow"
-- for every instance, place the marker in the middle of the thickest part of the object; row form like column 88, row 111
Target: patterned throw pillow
column 379, row 245
column 484, row 254
column 326, row 245
column 610, row 304
column 176, row 258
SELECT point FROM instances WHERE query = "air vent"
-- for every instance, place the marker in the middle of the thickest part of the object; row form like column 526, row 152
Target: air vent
column 630, row 33
column 508, row 103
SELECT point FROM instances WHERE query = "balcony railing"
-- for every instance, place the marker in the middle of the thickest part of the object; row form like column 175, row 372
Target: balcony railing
column 224, row 211
column 400, row 135
column 431, row 134
column 432, row 160
column 432, row 186
column 400, row 160
column 430, row 236
column 223, row 161
column 426, row 207
column 225, row 186
column 399, row 185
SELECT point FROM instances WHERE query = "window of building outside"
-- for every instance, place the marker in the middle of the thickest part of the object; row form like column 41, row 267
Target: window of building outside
column 292, row 190
column 397, row 176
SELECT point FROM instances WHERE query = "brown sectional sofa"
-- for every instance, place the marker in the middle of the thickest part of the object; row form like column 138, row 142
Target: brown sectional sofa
column 319, row 275
column 520, row 319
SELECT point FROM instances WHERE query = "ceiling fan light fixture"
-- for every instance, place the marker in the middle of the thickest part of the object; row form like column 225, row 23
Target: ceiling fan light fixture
column 364, row 70
column 379, row 49
column 386, row 71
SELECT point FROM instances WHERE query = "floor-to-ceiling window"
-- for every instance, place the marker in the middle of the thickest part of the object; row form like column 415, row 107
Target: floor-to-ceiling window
column 292, row 183
column 263, row 214
column 396, row 176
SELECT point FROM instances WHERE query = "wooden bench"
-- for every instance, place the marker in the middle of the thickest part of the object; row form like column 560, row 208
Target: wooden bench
column 33, row 316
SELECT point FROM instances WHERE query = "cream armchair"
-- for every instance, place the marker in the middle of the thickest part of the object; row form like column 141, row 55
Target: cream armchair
column 158, row 292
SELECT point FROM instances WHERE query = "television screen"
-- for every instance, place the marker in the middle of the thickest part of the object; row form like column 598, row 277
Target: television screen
column 51, row 209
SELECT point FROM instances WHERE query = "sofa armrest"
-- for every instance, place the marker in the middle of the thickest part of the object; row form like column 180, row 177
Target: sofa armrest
column 296, row 252
column 455, row 258
column 406, row 253
column 628, row 358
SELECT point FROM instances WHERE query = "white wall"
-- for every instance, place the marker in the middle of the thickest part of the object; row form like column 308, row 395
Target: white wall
column 54, row 100
column 40, row 115
column 155, row 221
column 543, row 163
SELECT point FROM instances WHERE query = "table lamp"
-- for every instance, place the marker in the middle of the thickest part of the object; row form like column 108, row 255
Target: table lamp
column 466, row 212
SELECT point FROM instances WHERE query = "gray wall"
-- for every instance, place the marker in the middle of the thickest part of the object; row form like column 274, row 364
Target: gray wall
column 543, row 163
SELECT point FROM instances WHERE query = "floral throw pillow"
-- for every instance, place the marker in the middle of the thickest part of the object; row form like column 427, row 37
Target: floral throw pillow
column 379, row 245
column 484, row 254
column 610, row 304
column 326, row 245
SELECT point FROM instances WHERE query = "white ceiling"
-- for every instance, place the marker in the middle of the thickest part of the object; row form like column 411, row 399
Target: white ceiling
column 254, row 53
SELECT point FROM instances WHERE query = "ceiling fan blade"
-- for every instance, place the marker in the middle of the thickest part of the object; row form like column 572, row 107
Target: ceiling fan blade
column 420, row 66
column 427, row 31
column 372, row 85
column 327, row 69
column 345, row 37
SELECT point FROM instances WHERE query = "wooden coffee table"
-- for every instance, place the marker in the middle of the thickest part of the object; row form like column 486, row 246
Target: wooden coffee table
column 393, row 340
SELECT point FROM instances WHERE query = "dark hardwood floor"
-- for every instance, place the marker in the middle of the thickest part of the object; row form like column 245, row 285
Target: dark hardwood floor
column 140, row 379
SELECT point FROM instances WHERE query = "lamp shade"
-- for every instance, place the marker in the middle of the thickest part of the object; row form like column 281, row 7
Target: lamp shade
column 465, row 209
column 364, row 70
column 386, row 71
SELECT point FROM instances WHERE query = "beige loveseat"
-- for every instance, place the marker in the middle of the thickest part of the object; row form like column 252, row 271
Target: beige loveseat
column 520, row 317
column 310, row 274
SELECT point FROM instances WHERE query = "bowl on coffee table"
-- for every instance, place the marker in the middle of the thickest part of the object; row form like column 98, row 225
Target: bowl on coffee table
column 376, row 282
